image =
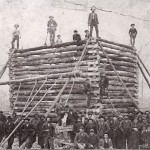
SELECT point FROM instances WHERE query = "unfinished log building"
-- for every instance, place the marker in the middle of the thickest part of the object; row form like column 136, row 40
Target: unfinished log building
column 58, row 60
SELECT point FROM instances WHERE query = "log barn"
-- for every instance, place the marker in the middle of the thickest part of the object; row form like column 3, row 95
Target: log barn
column 32, row 71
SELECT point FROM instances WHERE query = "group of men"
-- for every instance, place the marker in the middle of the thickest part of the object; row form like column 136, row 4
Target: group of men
column 91, row 130
column 52, row 28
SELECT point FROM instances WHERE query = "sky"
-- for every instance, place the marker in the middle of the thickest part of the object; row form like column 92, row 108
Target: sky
column 32, row 16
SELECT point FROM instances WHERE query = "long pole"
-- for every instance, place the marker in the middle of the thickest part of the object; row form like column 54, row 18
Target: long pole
column 119, row 76
column 4, row 68
column 143, row 65
column 144, row 75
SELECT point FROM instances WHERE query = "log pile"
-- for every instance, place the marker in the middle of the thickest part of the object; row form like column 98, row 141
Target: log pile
column 49, row 63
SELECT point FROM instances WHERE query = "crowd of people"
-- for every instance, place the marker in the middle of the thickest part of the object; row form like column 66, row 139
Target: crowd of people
column 52, row 28
column 91, row 130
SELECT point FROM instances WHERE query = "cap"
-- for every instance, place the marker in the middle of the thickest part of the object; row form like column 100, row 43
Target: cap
column 75, row 31
column 90, row 113
column 132, row 24
column 86, row 31
column 1, row 111
column 67, row 106
column 93, row 7
column 51, row 17
column 58, row 35
column 16, row 25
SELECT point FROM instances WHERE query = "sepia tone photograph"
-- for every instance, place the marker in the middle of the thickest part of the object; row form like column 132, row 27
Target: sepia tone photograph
column 75, row 74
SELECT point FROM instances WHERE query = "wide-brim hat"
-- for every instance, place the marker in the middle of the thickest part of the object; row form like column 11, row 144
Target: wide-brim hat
column 1, row 111
column 58, row 35
column 51, row 17
column 75, row 31
column 93, row 7
column 86, row 31
column 16, row 25
column 132, row 24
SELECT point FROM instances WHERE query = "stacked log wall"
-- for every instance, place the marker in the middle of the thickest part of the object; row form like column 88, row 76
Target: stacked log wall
column 61, row 59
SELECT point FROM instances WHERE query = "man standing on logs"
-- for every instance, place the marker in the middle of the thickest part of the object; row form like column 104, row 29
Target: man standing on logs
column 15, row 36
column 93, row 21
column 51, row 29
column 87, row 91
column 103, row 85
column 132, row 33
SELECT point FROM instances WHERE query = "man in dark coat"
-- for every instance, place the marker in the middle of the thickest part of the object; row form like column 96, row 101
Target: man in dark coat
column 81, row 139
column 93, row 140
column 93, row 21
column 77, row 126
column 103, row 84
column 51, row 28
column 2, row 130
column 27, row 132
column 87, row 91
column 35, row 122
column 126, row 127
column 90, row 126
column 2, row 117
column 49, row 133
column 9, row 127
column 77, row 38
column 39, row 130
column 132, row 34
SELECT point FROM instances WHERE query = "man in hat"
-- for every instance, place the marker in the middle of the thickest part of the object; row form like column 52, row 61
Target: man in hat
column 9, row 127
column 48, row 133
column 2, row 117
column 15, row 36
column 81, row 139
column 40, row 131
column 77, row 38
column 87, row 91
column 76, row 127
column 90, row 125
column 2, row 130
column 93, row 21
column 59, row 40
column 103, row 84
column 126, row 127
column 132, row 34
column 87, row 34
column 27, row 132
column 93, row 140
column 51, row 29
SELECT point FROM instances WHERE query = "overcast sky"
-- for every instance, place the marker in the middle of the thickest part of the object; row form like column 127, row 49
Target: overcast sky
column 32, row 16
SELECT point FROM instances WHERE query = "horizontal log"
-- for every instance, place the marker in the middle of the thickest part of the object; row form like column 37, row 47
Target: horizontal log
column 117, row 58
column 118, row 44
column 40, row 78
column 121, row 110
column 47, row 47
column 116, row 63
column 119, row 105
column 122, row 49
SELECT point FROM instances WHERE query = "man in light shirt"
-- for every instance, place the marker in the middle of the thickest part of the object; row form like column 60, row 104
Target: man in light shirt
column 15, row 36
column 59, row 40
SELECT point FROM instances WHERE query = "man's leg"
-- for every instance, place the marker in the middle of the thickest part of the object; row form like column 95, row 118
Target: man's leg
column 91, row 30
column 18, row 43
column 131, row 40
column 51, row 36
column 46, row 142
column 12, row 43
column 51, row 143
column 97, row 31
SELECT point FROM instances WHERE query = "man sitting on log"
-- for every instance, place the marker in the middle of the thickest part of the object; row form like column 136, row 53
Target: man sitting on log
column 87, row 91
column 103, row 84
column 81, row 139
column 77, row 38
column 51, row 28
column 132, row 33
